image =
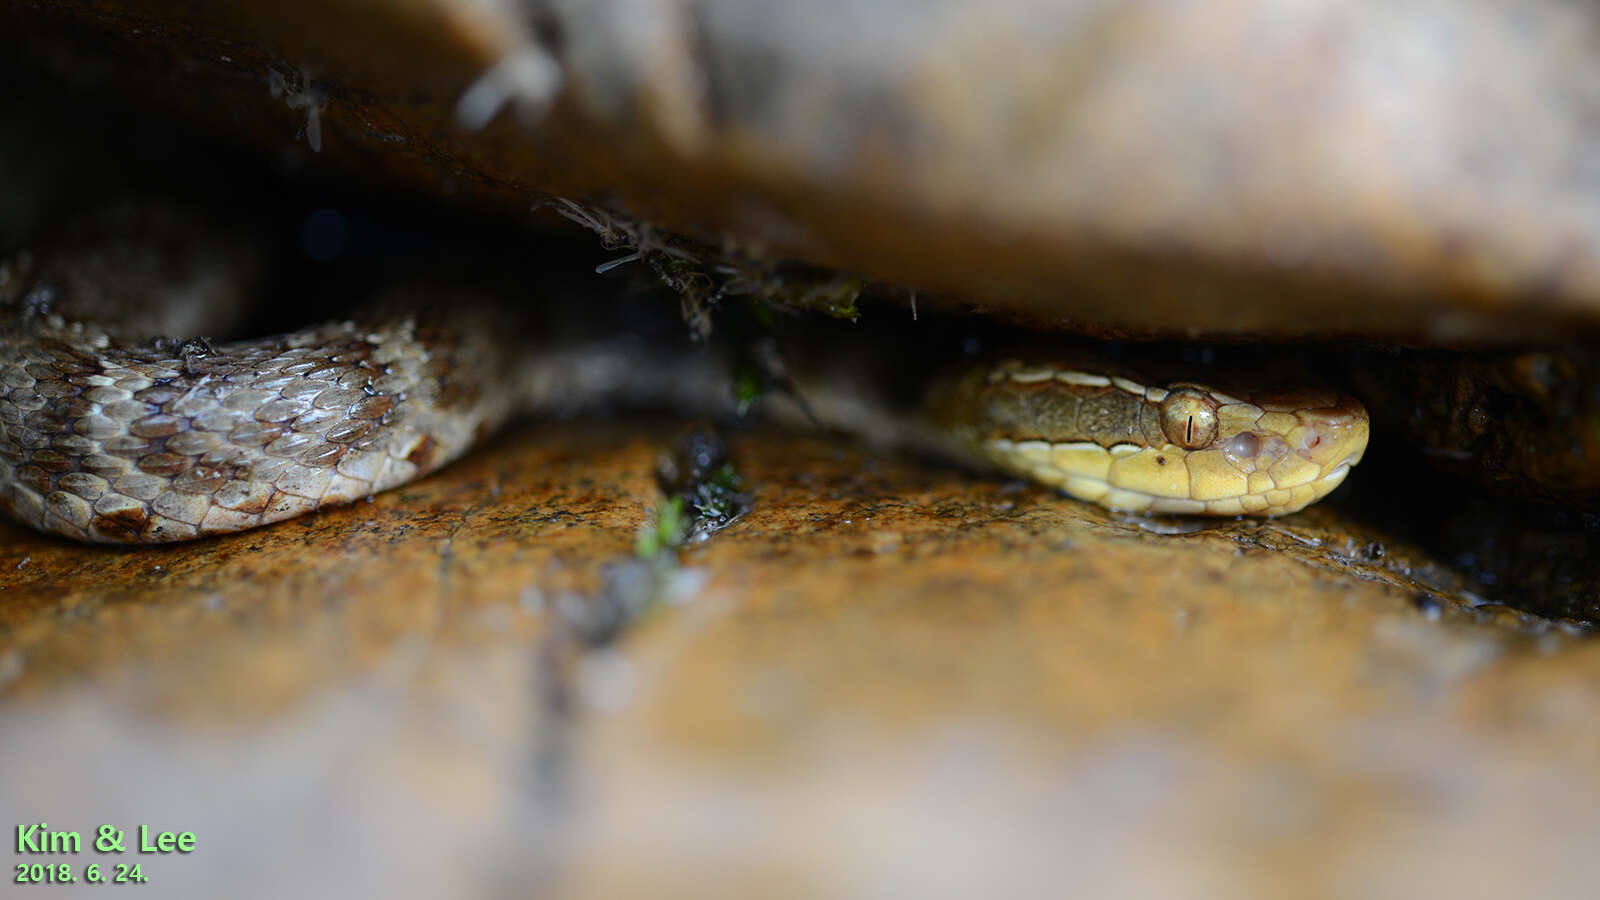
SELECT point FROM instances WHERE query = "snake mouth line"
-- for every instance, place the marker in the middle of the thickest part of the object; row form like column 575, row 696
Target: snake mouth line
column 1023, row 459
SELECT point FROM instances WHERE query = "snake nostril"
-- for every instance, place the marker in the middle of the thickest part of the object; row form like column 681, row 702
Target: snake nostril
column 1307, row 440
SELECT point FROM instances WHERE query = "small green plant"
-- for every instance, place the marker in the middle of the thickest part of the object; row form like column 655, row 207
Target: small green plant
column 666, row 533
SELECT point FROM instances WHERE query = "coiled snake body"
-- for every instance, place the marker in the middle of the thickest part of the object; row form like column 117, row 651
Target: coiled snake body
column 112, row 434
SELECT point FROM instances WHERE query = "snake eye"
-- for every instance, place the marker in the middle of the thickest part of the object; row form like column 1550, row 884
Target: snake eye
column 1189, row 418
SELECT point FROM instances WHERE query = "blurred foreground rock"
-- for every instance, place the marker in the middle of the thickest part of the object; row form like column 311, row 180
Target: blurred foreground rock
column 1260, row 168
column 886, row 679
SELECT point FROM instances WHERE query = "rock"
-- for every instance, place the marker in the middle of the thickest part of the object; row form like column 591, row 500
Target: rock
column 1273, row 169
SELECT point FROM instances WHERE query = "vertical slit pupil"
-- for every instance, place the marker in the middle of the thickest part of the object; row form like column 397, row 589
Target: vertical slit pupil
column 1188, row 431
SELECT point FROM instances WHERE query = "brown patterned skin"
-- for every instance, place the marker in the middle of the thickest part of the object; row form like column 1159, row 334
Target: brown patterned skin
column 107, row 441
column 113, row 432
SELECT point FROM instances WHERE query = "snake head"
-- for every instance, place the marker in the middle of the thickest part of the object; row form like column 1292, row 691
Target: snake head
column 1183, row 448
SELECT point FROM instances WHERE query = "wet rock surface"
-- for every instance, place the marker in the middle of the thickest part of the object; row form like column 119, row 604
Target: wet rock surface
column 878, row 660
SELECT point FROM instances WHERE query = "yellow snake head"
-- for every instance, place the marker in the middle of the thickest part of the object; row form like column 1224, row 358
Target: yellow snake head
column 1183, row 448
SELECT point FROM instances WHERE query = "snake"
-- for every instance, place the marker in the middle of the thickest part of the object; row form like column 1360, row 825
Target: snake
column 111, row 431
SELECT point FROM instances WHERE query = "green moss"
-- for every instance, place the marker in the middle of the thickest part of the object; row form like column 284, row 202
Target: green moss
column 666, row 533
column 748, row 388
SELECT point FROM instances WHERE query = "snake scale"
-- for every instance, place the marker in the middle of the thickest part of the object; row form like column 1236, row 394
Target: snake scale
column 112, row 432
